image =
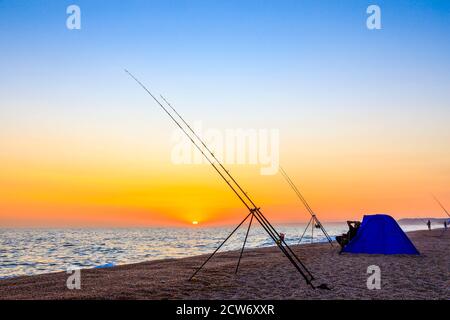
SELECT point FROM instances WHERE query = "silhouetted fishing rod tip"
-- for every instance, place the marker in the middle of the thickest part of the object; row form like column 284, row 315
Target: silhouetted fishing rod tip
column 130, row 74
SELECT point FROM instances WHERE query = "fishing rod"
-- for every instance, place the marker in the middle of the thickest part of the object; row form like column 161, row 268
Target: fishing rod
column 184, row 131
column 314, row 220
column 255, row 211
column 300, row 196
column 271, row 230
column 441, row 205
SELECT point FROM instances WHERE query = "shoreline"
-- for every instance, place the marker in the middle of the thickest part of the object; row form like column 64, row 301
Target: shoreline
column 65, row 253
column 264, row 274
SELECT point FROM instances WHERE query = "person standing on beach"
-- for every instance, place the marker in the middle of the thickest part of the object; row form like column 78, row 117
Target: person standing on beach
column 429, row 225
column 445, row 225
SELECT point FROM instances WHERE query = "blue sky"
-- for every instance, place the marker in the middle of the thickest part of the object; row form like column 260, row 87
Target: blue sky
column 250, row 48
column 228, row 57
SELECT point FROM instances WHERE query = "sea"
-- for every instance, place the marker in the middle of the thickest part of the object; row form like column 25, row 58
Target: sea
column 37, row 251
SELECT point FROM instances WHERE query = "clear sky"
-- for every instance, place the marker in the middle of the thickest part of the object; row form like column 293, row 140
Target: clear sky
column 363, row 115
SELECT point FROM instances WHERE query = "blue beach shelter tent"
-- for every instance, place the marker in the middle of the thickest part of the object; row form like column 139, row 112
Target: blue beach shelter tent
column 380, row 234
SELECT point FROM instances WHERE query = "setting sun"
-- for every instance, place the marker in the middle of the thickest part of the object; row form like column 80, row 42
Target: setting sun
column 194, row 222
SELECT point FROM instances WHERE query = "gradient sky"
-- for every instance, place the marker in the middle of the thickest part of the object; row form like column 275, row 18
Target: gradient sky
column 364, row 115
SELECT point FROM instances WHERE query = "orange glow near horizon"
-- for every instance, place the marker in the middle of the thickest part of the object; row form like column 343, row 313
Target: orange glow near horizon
column 48, row 190
column 58, row 177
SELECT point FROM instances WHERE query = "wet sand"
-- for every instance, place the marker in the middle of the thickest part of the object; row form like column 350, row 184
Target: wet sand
column 264, row 274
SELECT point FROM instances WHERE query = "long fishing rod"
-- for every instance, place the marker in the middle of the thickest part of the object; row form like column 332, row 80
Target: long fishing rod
column 268, row 226
column 212, row 154
column 271, row 230
column 300, row 196
column 255, row 211
column 184, row 131
column 314, row 218
column 441, row 205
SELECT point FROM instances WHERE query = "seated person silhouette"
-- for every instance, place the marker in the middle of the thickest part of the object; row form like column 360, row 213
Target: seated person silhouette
column 345, row 238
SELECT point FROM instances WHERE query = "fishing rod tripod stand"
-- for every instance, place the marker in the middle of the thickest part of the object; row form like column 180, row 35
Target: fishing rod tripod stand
column 315, row 223
column 251, row 215
column 254, row 211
